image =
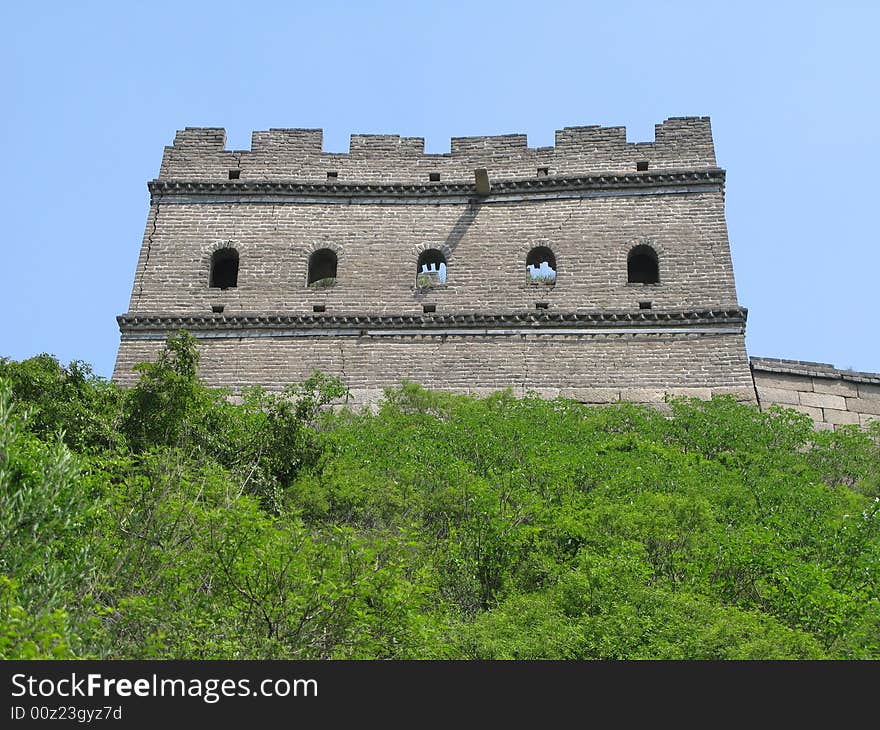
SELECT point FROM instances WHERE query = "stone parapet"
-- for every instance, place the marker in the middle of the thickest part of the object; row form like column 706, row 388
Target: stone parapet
column 200, row 153
column 831, row 396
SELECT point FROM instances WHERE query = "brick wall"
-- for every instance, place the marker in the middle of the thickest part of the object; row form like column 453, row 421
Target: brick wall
column 486, row 244
column 831, row 397
column 589, row 368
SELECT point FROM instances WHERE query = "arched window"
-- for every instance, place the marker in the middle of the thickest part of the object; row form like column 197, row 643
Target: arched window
column 642, row 266
column 224, row 268
column 541, row 265
column 431, row 269
column 322, row 268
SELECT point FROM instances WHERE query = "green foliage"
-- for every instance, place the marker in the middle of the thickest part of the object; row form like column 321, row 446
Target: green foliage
column 541, row 278
column 70, row 400
column 428, row 280
column 164, row 407
column 44, row 511
column 168, row 522
column 712, row 534
column 263, row 442
column 25, row 636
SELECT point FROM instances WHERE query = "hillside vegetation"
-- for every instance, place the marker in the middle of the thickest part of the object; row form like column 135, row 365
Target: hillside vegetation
column 166, row 522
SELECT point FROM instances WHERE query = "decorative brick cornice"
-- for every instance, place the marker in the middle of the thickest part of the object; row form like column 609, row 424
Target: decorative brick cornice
column 534, row 320
column 611, row 182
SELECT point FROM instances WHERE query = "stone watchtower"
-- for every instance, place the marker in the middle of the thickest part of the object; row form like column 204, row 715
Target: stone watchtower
column 595, row 269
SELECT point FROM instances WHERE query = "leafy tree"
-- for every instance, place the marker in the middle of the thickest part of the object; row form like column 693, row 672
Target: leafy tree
column 70, row 400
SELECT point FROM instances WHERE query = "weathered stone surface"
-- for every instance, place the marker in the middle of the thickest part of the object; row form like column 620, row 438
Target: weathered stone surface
column 743, row 394
column 840, row 417
column 866, row 419
column 481, row 392
column 547, row 393
column 778, row 395
column 701, row 393
column 364, row 396
column 863, row 405
column 869, row 390
column 814, row 413
column 823, row 400
column 783, row 381
column 835, row 387
column 591, row 395
column 642, row 395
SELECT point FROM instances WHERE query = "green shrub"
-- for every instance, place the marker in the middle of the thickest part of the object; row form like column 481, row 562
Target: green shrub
column 166, row 521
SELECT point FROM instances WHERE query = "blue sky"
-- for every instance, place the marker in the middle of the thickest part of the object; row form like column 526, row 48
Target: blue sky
column 94, row 91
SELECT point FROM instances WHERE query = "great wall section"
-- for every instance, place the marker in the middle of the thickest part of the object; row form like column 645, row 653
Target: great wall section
column 594, row 269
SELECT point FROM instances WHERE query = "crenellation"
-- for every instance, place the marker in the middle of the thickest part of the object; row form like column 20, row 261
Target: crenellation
column 205, row 138
column 297, row 154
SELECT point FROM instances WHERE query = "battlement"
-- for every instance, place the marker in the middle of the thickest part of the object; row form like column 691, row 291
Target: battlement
column 200, row 154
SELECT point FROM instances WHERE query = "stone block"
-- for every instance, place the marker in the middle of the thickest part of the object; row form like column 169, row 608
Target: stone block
column 863, row 405
column 814, row 413
column 835, row 387
column 823, row 400
column 869, row 390
column 742, row 393
column 642, row 395
column 822, row 426
column 364, row 396
column 486, row 392
column 783, row 380
column 769, row 396
column 591, row 395
column 701, row 393
column 840, row 417
column 546, row 393
column 866, row 419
